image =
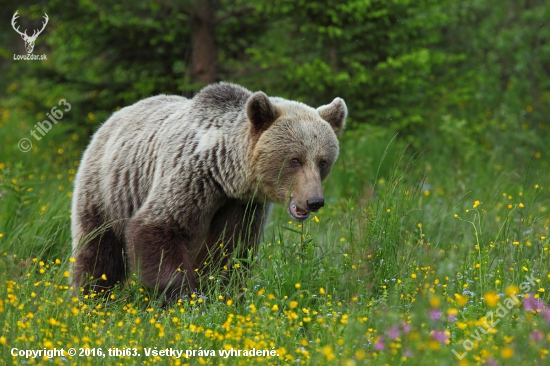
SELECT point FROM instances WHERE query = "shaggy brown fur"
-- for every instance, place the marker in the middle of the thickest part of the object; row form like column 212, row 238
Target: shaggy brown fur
column 168, row 179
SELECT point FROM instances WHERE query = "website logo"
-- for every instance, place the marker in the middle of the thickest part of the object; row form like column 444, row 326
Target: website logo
column 29, row 40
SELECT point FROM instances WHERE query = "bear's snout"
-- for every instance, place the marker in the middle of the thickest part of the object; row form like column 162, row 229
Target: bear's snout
column 315, row 204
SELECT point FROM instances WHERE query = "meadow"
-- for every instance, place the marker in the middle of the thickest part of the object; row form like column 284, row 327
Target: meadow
column 418, row 257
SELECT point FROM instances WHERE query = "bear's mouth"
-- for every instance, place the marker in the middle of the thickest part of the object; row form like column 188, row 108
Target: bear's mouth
column 296, row 212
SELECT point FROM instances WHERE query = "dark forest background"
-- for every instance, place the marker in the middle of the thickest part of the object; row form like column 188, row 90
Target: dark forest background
column 460, row 77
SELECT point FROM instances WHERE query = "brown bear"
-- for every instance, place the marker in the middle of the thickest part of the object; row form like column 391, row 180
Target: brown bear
column 165, row 181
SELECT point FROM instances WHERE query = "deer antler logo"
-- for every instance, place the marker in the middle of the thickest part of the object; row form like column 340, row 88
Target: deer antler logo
column 29, row 41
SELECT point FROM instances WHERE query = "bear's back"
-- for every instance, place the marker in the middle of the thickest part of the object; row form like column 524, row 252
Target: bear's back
column 119, row 166
column 218, row 106
column 222, row 98
column 141, row 145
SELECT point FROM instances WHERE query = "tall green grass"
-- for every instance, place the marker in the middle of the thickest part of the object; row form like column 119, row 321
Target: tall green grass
column 411, row 252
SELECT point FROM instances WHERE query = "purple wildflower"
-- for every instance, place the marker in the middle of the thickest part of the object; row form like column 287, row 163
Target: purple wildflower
column 393, row 332
column 435, row 314
column 546, row 314
column 406, row 328
column 491, row 362
column 440, row 336
column 536, row 336
column 531, row 303
column 380, row 345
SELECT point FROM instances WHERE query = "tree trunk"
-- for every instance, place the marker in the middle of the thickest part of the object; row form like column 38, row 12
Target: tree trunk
column 203, row 40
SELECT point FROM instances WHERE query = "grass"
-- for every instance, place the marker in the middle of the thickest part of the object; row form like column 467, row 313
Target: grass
column 415, row 259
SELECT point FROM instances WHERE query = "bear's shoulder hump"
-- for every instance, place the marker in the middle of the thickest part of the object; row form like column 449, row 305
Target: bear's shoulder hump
column 226, row 96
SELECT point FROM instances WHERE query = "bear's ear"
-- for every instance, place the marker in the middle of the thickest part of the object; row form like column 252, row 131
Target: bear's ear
column 260, row 111
column 334, row 113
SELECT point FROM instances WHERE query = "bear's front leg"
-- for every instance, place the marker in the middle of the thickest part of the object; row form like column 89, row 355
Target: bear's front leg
column 239, row 227
column 160, row 249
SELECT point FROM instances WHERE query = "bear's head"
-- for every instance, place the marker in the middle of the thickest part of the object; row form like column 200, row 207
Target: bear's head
column 295, row 147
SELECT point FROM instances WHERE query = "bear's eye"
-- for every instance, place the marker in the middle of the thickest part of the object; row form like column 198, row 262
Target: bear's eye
column 322, row 164
column 295, row 162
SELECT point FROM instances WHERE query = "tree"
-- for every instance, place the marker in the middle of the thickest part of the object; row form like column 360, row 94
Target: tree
column 203, row 39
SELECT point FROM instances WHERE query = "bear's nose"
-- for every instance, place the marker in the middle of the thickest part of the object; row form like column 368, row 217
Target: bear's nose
column 315, row 204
